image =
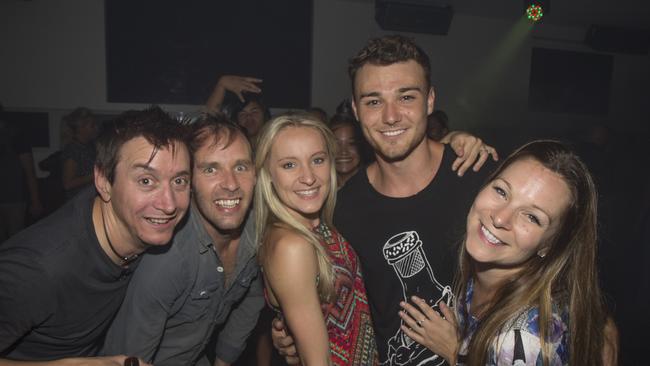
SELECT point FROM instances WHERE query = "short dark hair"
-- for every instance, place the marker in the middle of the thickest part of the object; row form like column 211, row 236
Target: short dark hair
column 364, row 149
column 214, row 125
column 73, row 119
column 388, row 50
column 154, row 124
column 233, row 106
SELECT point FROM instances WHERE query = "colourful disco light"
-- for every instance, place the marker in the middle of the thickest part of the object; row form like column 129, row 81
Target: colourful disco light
column 534, row 12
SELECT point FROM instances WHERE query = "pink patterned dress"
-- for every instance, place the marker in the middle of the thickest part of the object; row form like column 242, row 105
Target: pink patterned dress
column 349, row 326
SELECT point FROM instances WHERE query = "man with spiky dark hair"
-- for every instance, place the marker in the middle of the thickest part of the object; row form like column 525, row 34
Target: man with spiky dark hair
column 64, row 279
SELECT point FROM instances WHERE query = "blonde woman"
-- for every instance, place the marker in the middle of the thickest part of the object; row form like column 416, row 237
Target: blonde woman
column 312, row 275
column 528, row 285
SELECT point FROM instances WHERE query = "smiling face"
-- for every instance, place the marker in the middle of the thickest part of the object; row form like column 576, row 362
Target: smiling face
column 300, row 168
column 513, row 217
column 392, row 103
column 148, row 196
column 347, row 156
column 223, row 182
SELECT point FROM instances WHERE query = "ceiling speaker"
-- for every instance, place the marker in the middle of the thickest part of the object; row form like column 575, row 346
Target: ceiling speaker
column 413, row 16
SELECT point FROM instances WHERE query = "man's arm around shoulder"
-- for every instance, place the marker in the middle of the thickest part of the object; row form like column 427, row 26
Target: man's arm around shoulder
column 140, row 324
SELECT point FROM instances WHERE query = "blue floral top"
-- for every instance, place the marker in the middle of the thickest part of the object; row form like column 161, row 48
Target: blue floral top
column 518, row 343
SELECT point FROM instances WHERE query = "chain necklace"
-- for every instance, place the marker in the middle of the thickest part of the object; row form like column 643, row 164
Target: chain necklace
column 125, row 260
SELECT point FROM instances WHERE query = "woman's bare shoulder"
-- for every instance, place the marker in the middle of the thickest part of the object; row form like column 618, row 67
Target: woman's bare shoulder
column 282, row 241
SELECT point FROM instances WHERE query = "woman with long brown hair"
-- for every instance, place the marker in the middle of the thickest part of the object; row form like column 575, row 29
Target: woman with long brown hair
column 527, row 287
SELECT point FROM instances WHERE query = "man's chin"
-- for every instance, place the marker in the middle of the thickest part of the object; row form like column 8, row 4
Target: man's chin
column 156, row 240
column 393, row 156
column 229, row 228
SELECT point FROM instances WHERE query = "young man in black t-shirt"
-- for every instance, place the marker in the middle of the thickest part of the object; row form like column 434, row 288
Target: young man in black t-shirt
column 405, row 211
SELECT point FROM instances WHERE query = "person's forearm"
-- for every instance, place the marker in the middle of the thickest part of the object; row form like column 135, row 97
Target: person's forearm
column 214, row 102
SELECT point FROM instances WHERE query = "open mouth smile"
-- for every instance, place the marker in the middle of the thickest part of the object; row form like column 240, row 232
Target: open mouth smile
column 228, row 203
column 308, row 193
column 159, row 221
column 392, row 133
column 491, row 238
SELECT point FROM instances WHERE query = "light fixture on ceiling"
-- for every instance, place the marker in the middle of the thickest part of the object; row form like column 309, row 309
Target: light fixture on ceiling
column 535, row 10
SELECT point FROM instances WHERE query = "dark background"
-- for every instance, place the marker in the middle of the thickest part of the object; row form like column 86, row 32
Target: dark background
column 172, row 53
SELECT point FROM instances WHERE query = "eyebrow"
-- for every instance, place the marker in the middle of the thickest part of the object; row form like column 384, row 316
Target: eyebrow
column 400, row 90
column 207, row 164
column 295, row 158
column 149, row 169
column 409, row 88
column 533, row 206
column 244, row 162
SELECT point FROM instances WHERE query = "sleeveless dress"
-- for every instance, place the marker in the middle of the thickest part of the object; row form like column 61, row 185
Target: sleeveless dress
column 347, row 317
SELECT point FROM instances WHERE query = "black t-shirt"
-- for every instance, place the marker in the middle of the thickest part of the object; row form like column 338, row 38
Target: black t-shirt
column 59, row 290
column 407, row 246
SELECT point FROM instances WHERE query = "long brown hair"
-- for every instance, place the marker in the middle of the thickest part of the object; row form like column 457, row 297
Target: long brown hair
column 566, row 276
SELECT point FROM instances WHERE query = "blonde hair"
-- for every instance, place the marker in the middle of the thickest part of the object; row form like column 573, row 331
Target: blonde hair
column 270, row 211
column 567, row 275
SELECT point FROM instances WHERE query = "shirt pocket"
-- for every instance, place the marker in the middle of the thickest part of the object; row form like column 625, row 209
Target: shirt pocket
column 200, row 302
column 243, row 282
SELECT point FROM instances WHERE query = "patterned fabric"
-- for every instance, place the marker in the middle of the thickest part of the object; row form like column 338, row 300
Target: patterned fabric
column 518, row 343
column 351, row 336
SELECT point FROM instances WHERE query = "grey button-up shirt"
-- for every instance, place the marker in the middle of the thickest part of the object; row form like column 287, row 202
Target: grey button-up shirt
column 178, row 296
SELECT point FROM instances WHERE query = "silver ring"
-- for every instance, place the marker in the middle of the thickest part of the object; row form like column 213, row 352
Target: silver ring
column 419, row 322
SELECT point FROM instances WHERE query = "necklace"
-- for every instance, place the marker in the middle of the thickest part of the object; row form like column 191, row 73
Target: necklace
column 125, row 260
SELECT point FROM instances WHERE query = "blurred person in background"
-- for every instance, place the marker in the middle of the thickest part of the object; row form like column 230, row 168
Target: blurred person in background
column 78, row 155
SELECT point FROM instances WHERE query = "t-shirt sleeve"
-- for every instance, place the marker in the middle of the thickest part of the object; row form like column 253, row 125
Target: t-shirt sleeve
column 27, row 296
column 140, row 323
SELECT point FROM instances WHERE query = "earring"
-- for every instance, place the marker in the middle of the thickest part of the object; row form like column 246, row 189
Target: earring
column 541, row 255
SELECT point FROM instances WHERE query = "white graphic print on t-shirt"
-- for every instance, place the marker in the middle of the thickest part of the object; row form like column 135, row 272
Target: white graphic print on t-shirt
column 405, row 254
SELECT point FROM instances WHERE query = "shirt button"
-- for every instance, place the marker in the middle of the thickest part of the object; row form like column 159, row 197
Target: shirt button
column 219, row 269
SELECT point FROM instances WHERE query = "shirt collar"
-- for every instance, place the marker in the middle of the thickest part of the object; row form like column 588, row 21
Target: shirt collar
column 247, row 242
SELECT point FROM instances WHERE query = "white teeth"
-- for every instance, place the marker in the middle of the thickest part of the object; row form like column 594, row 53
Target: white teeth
column 393, row 132
column 489, row 236
column 158, row 221
column 228, row 203
column 309, row 192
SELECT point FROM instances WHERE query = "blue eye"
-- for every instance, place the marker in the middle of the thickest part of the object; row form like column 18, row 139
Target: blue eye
column 288, row 165
column 319, row 161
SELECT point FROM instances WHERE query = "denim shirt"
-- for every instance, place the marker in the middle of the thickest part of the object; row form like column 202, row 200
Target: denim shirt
column 179, row 295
